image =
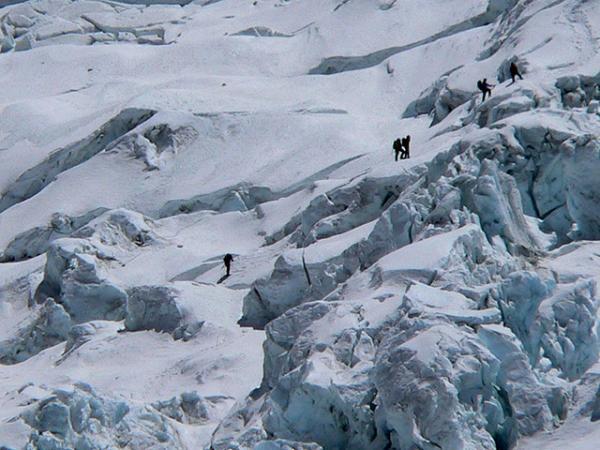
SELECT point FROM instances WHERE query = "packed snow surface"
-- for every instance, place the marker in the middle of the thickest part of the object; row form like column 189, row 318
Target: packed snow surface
column 446, row 301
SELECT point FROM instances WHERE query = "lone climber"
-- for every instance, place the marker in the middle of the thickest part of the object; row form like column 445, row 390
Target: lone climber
column 397, row 146
column 227, row 261
column 514, row 72
column 485, row 88
column 406, row 145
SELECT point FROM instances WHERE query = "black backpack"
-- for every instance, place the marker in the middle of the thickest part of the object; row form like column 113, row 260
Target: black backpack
column 397, row 145
column 480, row 85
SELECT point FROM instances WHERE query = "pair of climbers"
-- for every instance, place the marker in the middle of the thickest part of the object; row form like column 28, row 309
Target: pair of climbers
column 402, row 148
column 486, row 88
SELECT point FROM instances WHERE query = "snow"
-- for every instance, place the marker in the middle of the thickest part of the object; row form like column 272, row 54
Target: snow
column 444, row 301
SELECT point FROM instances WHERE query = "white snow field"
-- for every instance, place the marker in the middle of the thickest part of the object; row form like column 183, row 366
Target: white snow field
column 446, row 301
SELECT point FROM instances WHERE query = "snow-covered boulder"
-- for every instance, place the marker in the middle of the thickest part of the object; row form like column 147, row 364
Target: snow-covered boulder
column 462, row 257
column 78, row 417
column 240, row 197
column 77, row 268
column 121, row 228
column 188, row 408
column 34, row 242
column 162, row 308
column 74, row 277
column 192, row 408
column 77, row 336
column 438, row 100
column 48, row 327
column 578, row 90
column 504, row 105
column 425, row 103
column 349, row 207
column 426, row 301
column 156, row 143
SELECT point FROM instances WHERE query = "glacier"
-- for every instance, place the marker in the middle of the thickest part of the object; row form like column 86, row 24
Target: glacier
column 446, row 301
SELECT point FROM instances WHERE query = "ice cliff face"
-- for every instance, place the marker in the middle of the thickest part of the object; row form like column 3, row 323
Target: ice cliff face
column 446, row 301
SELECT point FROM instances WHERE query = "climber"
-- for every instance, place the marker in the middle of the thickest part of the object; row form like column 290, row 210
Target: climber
column 514, row 72
column 485, row 88
column 406, row 145
column 397, row 146
column 227, row 261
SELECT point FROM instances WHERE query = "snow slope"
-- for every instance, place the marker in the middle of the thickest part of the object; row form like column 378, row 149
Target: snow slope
column 445, row 301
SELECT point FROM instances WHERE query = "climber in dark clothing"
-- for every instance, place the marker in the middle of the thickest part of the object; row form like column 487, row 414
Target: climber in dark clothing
column 397, row 148
column 485, row 88
column 227, row 261
column 406, row 145
column 514, row 72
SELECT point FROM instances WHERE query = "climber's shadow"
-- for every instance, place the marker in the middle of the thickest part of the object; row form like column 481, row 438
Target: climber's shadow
column 223, row 278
